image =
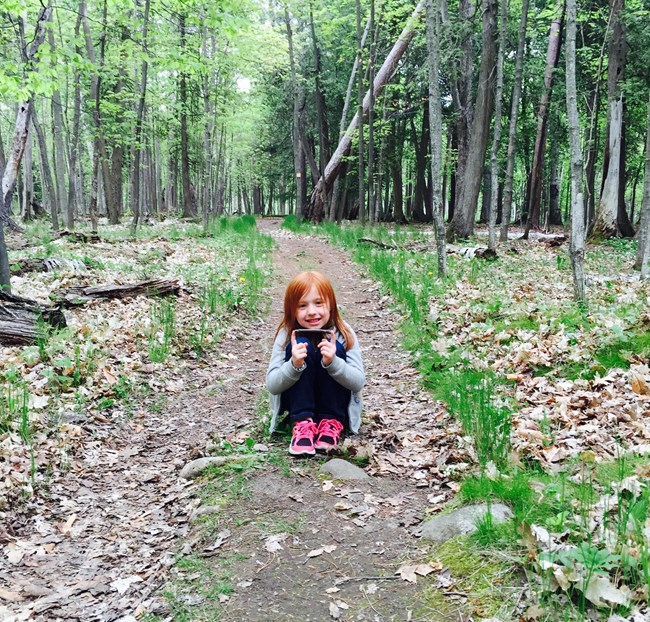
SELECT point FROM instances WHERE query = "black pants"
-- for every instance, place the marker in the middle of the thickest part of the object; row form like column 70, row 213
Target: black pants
column 316, row 395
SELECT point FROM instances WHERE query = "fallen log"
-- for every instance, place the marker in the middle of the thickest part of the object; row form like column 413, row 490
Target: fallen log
column 80, row 236
column 469, row 252
column 49, row 264
column 22, row 320
column 77, row 296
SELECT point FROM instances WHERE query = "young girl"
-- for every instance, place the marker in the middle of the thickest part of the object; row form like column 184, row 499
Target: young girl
column 315, row 376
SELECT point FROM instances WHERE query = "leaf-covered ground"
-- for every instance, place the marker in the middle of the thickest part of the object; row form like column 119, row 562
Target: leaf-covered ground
column 97, row 524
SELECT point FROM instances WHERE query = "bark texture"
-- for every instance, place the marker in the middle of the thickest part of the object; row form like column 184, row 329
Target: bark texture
column 315, row 209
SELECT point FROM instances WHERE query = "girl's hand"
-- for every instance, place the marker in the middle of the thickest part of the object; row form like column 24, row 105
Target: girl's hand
column 298, row 351
column 327, row 348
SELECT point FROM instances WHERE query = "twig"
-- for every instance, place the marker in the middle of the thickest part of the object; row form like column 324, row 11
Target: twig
column 364, row 578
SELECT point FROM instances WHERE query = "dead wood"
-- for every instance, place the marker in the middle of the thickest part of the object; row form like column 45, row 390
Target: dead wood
column 79, row 236
column 77, row 296
column 49, row 264
column 469, row 252
column 465, row 251
column 21, row 319
column 556, row 240
column 391, row 247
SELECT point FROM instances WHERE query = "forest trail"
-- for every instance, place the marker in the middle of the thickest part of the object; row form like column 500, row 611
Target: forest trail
column 102, row 545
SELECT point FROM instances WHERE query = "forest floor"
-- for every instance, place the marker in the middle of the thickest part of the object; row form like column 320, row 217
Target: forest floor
column 104, row 541
column 113, row 533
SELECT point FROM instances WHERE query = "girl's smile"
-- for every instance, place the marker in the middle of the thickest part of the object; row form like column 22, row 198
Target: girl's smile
column 313, row 310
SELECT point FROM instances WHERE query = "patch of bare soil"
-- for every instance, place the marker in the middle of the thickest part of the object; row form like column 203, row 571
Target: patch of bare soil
column 101, row 545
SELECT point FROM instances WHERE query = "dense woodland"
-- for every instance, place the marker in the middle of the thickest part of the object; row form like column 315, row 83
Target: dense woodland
column 132, row 110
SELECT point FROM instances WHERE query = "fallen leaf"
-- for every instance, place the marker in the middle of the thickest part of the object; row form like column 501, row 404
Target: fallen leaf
column 122, row 585
column 335, row 612
column 602, row 593
column 272, row 543
column 325, row 549
column 65, row 528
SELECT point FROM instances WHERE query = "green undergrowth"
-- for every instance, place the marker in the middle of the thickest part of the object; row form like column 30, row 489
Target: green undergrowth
column 72, row 376
column 553, row 536
column 482, row 577
column 465, row 342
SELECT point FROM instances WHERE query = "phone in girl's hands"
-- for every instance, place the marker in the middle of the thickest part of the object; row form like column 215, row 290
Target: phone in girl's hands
column 313, row 333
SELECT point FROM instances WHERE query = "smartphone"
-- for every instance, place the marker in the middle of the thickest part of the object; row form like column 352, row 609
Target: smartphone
column 313, row 333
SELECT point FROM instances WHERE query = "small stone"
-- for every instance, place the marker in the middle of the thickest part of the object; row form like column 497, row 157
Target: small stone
column 341, row 469
column 463, row 521
column 260, row 447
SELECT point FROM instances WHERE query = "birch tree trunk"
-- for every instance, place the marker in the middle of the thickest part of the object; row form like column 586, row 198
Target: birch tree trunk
column 577, row 201
column 512, row 130
column 435, row 132
column 21, row 129
column 496, row 132
column 315, row 209
column 643, row 251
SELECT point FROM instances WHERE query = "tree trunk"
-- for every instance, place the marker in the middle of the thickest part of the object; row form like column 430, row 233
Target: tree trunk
column 360, row 114
column 555, row 214
column 461, row 93
column 420, row 142
column 23, row 119
column 462, row 224
column 59, row 149
column 47, row 172
column 496, row 132
column 189, row 208
column 577, row 205
column 643, row 251
column 297, row 97
column 100, row 143
column 512, row 131
column 608, row 207
column 315, row 210
column 136, row 149
column 344, row 117
column 371, row 117
column 552, row 58
column 28, row 181
column 435, row 131
column 74, row 139
column 325, row 150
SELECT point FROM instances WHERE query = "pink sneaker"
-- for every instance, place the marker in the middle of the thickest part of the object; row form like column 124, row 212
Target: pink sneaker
column 328, row 434
column 302, row 441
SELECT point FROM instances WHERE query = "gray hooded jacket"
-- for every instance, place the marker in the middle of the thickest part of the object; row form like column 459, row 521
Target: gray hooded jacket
column 349, row 373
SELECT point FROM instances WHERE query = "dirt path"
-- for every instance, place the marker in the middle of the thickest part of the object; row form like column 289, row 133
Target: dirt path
column 102, row 543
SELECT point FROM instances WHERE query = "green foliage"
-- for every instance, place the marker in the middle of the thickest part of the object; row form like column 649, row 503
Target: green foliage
column 162, row 328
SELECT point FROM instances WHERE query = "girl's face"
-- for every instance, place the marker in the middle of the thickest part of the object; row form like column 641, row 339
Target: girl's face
column 313, row 310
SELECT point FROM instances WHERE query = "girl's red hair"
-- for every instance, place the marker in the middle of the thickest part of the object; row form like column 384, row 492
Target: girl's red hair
column 297, row 289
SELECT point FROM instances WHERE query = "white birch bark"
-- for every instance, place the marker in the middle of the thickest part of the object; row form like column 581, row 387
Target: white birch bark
column 577, row 249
